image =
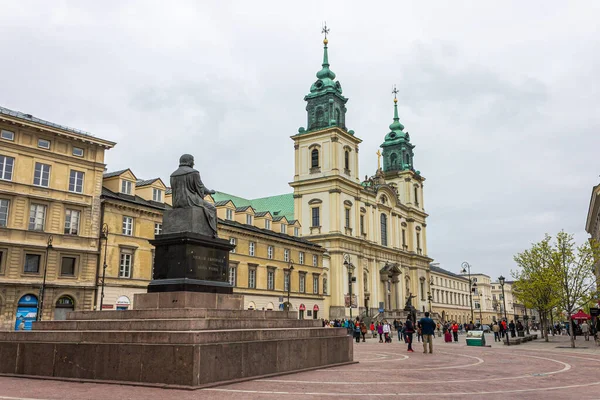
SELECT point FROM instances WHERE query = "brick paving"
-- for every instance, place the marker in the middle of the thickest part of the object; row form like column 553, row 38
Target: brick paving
column 535, row 370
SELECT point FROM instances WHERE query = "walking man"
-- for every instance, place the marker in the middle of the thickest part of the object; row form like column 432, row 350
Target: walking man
column 455, row 331
column 496, row 329
column 585, row 329
column 408, row 333
column 427, row 330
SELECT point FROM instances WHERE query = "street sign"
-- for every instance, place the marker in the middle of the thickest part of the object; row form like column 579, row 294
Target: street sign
column 381, row 306
column 595, row 311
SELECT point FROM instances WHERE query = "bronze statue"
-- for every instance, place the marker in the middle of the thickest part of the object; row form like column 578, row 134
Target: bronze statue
column 189, row 191
column 409, row 300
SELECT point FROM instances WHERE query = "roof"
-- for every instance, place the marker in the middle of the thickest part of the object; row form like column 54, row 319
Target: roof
column 279, row 206
column 169, row 191
column 269, row 232
column 31, row 118
column 442, row 271
column 221, row 203
column 261, row 214
column 114, row 173
column 142, row 182
column 133, row 199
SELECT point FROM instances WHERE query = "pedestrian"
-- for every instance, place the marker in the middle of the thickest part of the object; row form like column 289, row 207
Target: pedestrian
column 408, row 332
column 21, row 324
column 386, row 332
column 372, row 329
column 427, row 330
column 504, row 328
column 380, row 331
column 455, row 331
column 356, row 329
column 496, row 330
column 363, row 330
column 585, row 330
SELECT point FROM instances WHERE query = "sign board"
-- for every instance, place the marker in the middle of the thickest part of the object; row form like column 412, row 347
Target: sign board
column 595, row 311
column 354, row 301
column 381, row 306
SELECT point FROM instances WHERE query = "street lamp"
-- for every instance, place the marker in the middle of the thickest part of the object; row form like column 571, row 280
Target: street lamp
column 466, row 268
column 526, row 320
column 501, row 279
column 289, row 285
column 480, row 315
column 429, row 298
column 43, row 288
column 351, row 279
column 105, row 237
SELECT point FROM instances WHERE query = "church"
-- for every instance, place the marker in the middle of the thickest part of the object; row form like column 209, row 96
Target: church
column 373, row 228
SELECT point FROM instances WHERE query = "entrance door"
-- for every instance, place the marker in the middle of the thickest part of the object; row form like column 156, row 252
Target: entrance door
column 27, row 310
column 64, row 305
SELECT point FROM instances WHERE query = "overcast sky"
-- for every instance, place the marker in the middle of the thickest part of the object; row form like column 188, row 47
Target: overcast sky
column 501, row 99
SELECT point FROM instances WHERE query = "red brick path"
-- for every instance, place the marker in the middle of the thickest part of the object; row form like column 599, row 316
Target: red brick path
column 531, row 371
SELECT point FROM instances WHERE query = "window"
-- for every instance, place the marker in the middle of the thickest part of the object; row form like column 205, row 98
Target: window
column 296, row 232
column 126, row 187
column 271, row 279
column 362, row 224
column 78, row 152
column 270, row 252
column 125, row 264
column 128, row 226
column 286, row 255
column 383, row 221
column 233, row 242
column 252, row 278
column 4, row 203
column 347, row 210
column 315, row 284
column 267, row 224
column 251, row 248
column 72, row 218
column 44, row 144
column 32, row 263
column 404, row 238
column 416, row 196
column 248, row 219
column 315, row 261
column 229, row 214
column 325, row 285
column 422, row 289
column 314, row 158
column 302, row 283
column 37, row 217
column 157, row 229
column 67, row 266
column 41, row 175
column 232, row 275
column 477, row 305
column 8, row 135
column 6, row 167
column 301, row 257
column 315, row 217
column 157, row 195
column 283, row 228
column 286, row 281
column 418, row 243
column 347, row 160
column 76, row 181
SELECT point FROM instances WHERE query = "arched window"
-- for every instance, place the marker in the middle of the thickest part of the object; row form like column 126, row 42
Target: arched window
column 320, row 117
column 314, row 158
column 383, row 220
column 393, row 160
column 337, row 117
column 324, row 284
column 366, row 281
column 406, row 158
column 347, row 160
column 64, row 305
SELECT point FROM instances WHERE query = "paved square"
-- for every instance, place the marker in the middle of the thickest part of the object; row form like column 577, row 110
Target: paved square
column 535, row 370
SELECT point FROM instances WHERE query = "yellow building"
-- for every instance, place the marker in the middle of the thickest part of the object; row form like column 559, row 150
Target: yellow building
column 592, row 225
column 450, row 296
column 50, row 184
column 132, row 211
column 483, row 299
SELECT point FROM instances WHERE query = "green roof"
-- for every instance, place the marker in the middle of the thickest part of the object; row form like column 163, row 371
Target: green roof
column 279, row 205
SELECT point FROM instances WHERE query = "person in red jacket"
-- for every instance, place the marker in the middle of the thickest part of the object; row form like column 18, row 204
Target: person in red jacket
column 455, row 331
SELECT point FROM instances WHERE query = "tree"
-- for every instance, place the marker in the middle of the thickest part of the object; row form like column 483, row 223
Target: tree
column 574, row 267
column 536, row 283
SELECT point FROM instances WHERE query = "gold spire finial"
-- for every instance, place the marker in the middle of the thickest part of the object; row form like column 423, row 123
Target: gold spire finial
column 325, row 31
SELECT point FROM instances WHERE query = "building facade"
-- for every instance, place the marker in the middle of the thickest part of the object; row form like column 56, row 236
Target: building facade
column 50, row 185
column 450, row 296
column 482, row 299
column 592, row 225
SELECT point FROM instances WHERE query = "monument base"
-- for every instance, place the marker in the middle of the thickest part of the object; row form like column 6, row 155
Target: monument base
column 170, row 339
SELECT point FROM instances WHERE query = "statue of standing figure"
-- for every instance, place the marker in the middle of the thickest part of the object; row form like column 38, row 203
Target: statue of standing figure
column 409, row 300
column 189, row 191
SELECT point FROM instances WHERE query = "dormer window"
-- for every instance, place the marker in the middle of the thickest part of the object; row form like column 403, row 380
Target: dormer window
column 126, row 187
column 283, row 228
column 248, row 219
column 157, row 195
column 267, row 224
column 229, row 214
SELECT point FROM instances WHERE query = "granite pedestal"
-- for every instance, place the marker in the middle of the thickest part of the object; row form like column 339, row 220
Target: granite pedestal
column 174, row 339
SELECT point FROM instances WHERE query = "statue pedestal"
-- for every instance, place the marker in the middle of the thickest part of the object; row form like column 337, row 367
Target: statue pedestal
column 190, row 262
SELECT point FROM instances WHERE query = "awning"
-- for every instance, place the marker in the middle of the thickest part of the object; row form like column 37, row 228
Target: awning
column 315, row 308
column 302, row 307
column 580, row 315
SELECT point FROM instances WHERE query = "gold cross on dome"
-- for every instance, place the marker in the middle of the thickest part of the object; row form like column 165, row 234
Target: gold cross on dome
column 395, row 92
column 325, row 30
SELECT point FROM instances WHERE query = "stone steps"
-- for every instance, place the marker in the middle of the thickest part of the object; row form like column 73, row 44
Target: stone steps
column 171, row 337
column 182, row 313
column 181, row 324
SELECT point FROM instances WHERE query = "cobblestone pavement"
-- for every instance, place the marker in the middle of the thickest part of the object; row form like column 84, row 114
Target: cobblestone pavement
column 534, row 370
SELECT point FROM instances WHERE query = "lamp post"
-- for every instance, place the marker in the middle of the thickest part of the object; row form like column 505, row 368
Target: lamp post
column 466, row 268
column 429, row 298
column 287, row 306
column 43, row 288
column 526, row 320
column 350, row 267
column 480, row 293
column 501, row 279
column 105, row 237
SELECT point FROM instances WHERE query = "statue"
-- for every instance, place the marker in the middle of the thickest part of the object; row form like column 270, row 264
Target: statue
column 409, row 301
column 189, row 191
